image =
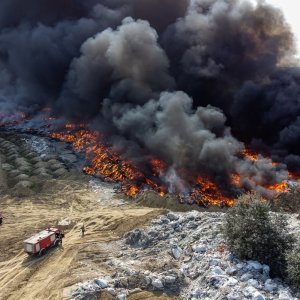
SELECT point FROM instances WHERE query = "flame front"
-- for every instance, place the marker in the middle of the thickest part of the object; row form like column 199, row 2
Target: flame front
column 104, row 161
column 279, row 187
column 209, row 193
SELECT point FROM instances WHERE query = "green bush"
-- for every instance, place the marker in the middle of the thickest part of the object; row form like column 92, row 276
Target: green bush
column 253, row 234
column 293, row 266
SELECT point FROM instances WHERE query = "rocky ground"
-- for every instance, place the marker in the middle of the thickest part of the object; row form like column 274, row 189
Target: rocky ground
column 132, row 249
column 184, row 255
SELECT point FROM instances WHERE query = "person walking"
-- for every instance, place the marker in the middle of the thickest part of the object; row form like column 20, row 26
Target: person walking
column 82, row 230
column 1, row 218
column 60, row 239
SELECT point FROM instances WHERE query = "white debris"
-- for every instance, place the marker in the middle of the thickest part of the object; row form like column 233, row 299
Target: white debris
column 202, row 270
column 255, row 265
column 157, row 283
column 270, row 285
column 38, row 144
column 246, row 277
column 258, row 296
column 231, row 282
column 173, row 217
column 199, row 248
column 231, row 270
column 101, row 283
column 253, row 282
column 121, row 297
column 217, row 271
column 285, row 295
column 176, row 252
column 65, row 222
column 266, row 270
column 112, row 291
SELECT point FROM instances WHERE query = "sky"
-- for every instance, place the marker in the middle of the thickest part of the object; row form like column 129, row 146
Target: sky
column 291, row 10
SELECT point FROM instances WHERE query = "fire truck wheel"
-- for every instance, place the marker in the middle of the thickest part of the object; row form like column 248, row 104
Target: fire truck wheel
column 42, row 252
column 56, row 243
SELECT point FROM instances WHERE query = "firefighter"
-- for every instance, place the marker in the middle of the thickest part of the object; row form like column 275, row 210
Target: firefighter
column 82, row 230
column 1, row 218
column 60, row 238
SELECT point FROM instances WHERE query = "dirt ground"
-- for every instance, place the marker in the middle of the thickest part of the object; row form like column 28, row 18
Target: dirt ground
column 40, row 191
column 48, row 277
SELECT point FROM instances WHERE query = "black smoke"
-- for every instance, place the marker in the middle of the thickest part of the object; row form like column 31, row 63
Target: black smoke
column 189, row 81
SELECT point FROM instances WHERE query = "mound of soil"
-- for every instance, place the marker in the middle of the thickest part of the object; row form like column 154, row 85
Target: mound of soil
column 22, row 189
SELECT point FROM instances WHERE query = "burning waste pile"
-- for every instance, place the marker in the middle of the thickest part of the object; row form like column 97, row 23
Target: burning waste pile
column 170, row 106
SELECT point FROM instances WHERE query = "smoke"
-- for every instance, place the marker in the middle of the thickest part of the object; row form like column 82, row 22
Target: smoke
column 237, row 57
column 187, row 81
column 127, row 65
column 273, row 124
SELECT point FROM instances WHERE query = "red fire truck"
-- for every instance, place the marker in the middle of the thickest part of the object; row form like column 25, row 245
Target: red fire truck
column 39, row 243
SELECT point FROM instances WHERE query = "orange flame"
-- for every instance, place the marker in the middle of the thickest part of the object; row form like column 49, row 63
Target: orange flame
column 281, row 187
column 209, row 192
column 250, row 155
column 104, row 161
column 235, row 179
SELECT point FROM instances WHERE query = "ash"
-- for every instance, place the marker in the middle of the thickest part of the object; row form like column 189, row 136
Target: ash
column 105, row 193
column 49, row 148
column 184, row 255
column 38, row 144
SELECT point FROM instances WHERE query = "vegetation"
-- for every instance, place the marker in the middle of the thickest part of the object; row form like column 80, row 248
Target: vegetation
column 253, row 233
column 293, row 266
column 287, row 202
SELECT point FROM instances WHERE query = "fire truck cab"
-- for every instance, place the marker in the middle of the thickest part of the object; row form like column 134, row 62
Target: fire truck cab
column 39, row 243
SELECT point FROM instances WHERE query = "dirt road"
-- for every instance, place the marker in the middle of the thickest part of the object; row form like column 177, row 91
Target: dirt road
column 48, row 277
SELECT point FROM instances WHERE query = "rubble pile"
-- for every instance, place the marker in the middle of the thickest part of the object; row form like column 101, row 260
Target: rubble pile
column 184, row 255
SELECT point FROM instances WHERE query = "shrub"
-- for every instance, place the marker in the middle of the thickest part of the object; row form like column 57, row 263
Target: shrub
column 293, row 266
column 252, row 233
column 288, row 202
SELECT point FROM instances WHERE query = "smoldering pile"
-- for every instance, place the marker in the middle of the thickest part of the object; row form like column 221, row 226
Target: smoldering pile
column 190, row 90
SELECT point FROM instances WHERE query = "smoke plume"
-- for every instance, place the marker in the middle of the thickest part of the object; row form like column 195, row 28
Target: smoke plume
column 188, row 81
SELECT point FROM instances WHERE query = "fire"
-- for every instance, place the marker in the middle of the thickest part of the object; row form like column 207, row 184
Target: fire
column 209, row 193
column 294, row 176
column 235, row 179
column 282, row 187
column 250, row 155
column 105, row 161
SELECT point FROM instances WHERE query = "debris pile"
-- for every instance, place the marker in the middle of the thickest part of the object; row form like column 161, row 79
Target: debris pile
column 185, row 255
